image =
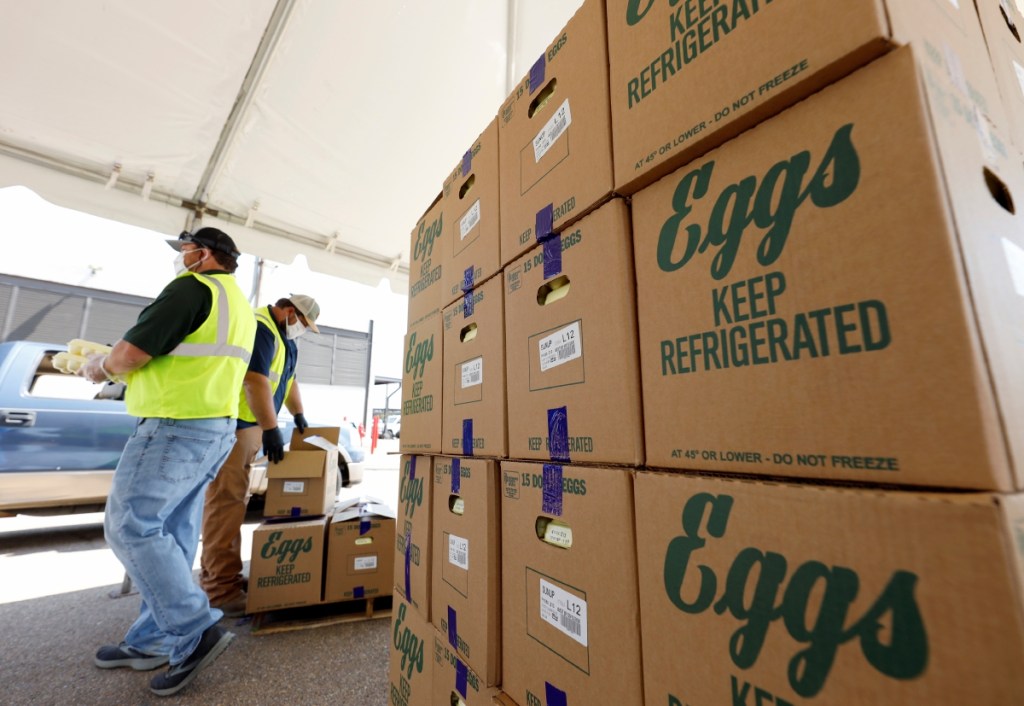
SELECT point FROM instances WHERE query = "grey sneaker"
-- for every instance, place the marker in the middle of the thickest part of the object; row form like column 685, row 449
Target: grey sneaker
column 215, row 640
column 113, row 656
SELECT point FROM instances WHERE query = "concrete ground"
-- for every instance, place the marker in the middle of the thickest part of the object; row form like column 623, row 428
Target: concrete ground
column 57, row 579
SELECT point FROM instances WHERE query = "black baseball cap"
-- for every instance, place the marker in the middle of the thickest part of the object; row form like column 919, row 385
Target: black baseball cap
column 212, row 238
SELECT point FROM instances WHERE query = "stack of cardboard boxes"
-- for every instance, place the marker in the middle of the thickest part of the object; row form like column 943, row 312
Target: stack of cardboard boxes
column 756, row 428
column 313, row 549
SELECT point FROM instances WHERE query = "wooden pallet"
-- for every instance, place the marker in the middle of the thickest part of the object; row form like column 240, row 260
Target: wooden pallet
column 323, row 615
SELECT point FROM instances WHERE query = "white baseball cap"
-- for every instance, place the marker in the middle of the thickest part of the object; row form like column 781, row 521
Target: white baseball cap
column 308, row 307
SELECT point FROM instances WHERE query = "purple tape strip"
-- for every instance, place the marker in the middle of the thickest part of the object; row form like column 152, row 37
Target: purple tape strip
column 467, row 305
column 408, row 566
column 554, row 696
column 537, row 74
column 552, row 257
column 467, row 161
column 558, row 434
column 412, row 468
column 467, row 279
column 551, row 493
column 461, row 677
column 364, row 525
column 296, row 512
column 544, row 226
column 456, row 476
column 358, row 592
column 467, row 437
column 453, row 633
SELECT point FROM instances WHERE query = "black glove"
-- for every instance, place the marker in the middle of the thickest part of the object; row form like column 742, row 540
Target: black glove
column 273, row 445
column 300, row 422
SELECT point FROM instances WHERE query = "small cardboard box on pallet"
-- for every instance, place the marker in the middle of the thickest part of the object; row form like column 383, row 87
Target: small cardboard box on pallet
column 411, row 664
column 837, row 293
column 554, row 136
column 466, row 591
column 413, row 541
column 570, row 608
column 769, row 593
column 472, row 245
column 286, row 567
column 360, row 551
column 686, row 77
column 473, row 422
column 571, row 345
column 305, row 482
column 455, row 682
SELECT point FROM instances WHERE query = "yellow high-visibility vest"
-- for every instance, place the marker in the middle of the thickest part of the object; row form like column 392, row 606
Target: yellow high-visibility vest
column 276, row 365
column 201, row 377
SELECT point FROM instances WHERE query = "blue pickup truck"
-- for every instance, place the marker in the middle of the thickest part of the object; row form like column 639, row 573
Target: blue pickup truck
column 61, row 436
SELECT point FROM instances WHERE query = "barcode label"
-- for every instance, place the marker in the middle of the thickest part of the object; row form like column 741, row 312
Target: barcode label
column 552, row 130
column 470, row 220
column 560, row 347
column 366, row 563
column 294, row 487
column 458, row 551
column 564, row 611
column 472, row 373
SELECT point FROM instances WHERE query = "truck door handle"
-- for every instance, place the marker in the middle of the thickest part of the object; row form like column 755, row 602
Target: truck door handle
column 16, row 418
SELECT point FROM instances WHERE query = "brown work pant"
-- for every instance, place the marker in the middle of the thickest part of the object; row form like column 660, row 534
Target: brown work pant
column 223, row 515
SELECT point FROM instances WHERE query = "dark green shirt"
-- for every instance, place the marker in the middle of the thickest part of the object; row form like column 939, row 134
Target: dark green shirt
column 181, row 308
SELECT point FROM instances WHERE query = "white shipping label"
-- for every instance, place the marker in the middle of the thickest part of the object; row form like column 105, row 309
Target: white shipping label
column 470, row 220
column 564, row 611
column 294, row 486
column 1015, row 258
column 552, row 130
column 472, row 373
column 1020, row 75
column 365, row 563
column 458, row 552
column 560, row 347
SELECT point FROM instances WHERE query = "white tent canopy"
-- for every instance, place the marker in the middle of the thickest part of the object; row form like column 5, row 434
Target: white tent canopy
column 314, row 127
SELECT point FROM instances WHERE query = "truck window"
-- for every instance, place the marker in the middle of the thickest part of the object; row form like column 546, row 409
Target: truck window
column 50, row 383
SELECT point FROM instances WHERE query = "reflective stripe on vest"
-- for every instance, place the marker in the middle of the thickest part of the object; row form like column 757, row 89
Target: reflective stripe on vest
column 221, row 347
column 276, row 364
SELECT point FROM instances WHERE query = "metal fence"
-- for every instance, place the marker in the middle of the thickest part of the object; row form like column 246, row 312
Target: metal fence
column 48, row 312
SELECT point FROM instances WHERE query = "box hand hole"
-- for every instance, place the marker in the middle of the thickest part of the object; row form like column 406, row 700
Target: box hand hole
column 456, row 505
column 553, row 532
column 467, row 186
column 1003, row 10
column 551, row 292
column 998, row 190
column 543, row 97
column 468, row 333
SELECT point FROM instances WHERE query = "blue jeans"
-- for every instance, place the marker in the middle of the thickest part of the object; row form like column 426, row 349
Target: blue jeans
column 154, row 512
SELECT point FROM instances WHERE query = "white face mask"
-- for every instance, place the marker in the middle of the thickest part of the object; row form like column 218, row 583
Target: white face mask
column 179, row 263
column 293, row 331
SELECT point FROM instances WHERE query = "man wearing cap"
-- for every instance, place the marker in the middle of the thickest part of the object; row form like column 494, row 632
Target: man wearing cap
column 184, row 361
column 269, row 383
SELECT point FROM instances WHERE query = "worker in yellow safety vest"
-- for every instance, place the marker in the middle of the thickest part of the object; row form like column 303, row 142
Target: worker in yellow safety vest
column 184, row 361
